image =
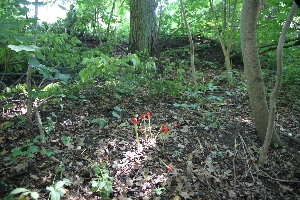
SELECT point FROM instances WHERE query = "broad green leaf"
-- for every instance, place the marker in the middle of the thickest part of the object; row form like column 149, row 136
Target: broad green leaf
column 34, row 195
column 54, row 195
column 59, row 184
column 23, row 47
column 22, row 38
column 33, row 61
column 67, row 182
column 6, row 25
column 18, row 190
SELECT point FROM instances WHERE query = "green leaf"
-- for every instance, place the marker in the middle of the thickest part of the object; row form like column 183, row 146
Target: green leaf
column 62, row 7
column 22, row 38
column 23, row 47
column 117, row 108
column 67, row 182
column 54, row 195
column 115, row 114
column 19, row 190
column 97, row 169
column 48, row 153
column 34, row 195
column 33, row 61
column 59, row 185
column 7, row 25
column 33, row 149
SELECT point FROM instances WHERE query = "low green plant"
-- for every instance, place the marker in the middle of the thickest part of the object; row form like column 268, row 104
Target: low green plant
column 29, row 149
column 176, row 154
column 101, row 122
column 66, row 140
column 102, row 184
column 57, row 190
column 158, row 191
column 24, row 192
column 114, row 113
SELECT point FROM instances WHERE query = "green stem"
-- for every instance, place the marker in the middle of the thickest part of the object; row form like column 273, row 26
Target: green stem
column 149, row 125
column 136, row 135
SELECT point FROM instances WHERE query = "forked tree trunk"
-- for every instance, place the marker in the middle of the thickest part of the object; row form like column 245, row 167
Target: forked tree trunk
column 226, row 35
column 255, row 84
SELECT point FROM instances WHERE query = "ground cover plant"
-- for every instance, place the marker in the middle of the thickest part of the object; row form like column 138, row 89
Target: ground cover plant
column 111, row 123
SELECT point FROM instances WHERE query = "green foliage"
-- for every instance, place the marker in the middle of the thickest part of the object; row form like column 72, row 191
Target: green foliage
column 158, row 191
column 101, row 122
column 60, row 49
column 102, row 184
column 58, row 190
column 24, row 192
column 66, row 140
column 29, row 149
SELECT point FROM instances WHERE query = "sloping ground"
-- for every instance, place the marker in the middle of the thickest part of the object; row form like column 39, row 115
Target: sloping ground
column 211, row 148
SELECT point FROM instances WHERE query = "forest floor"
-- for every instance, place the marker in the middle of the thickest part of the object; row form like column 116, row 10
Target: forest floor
column 212, row 148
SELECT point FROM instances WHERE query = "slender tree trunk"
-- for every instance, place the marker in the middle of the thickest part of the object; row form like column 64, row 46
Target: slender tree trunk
column 263, row 155
column 192, row 47
column 110, row 17
column 252, row 68
column 28, row 79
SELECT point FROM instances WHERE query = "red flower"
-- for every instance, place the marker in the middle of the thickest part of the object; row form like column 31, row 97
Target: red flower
column 169, row 168
column 148, row 114
column 166, row 130
column 143, row 116
column 134, row 120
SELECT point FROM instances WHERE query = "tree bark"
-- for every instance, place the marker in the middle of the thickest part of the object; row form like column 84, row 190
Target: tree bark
column 143, row 28
column 252, row 67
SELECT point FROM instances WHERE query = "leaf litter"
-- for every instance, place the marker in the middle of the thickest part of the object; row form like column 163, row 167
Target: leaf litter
column 211, row 154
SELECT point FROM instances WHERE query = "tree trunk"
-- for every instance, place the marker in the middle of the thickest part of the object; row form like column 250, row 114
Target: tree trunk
column 255, row 84
column 226, row 35
column 28, row 78
column 192, row 47
column 143, row 33
column 263, row 155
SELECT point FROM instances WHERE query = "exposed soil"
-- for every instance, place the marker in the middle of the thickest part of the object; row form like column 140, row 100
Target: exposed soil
column 211, row 147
